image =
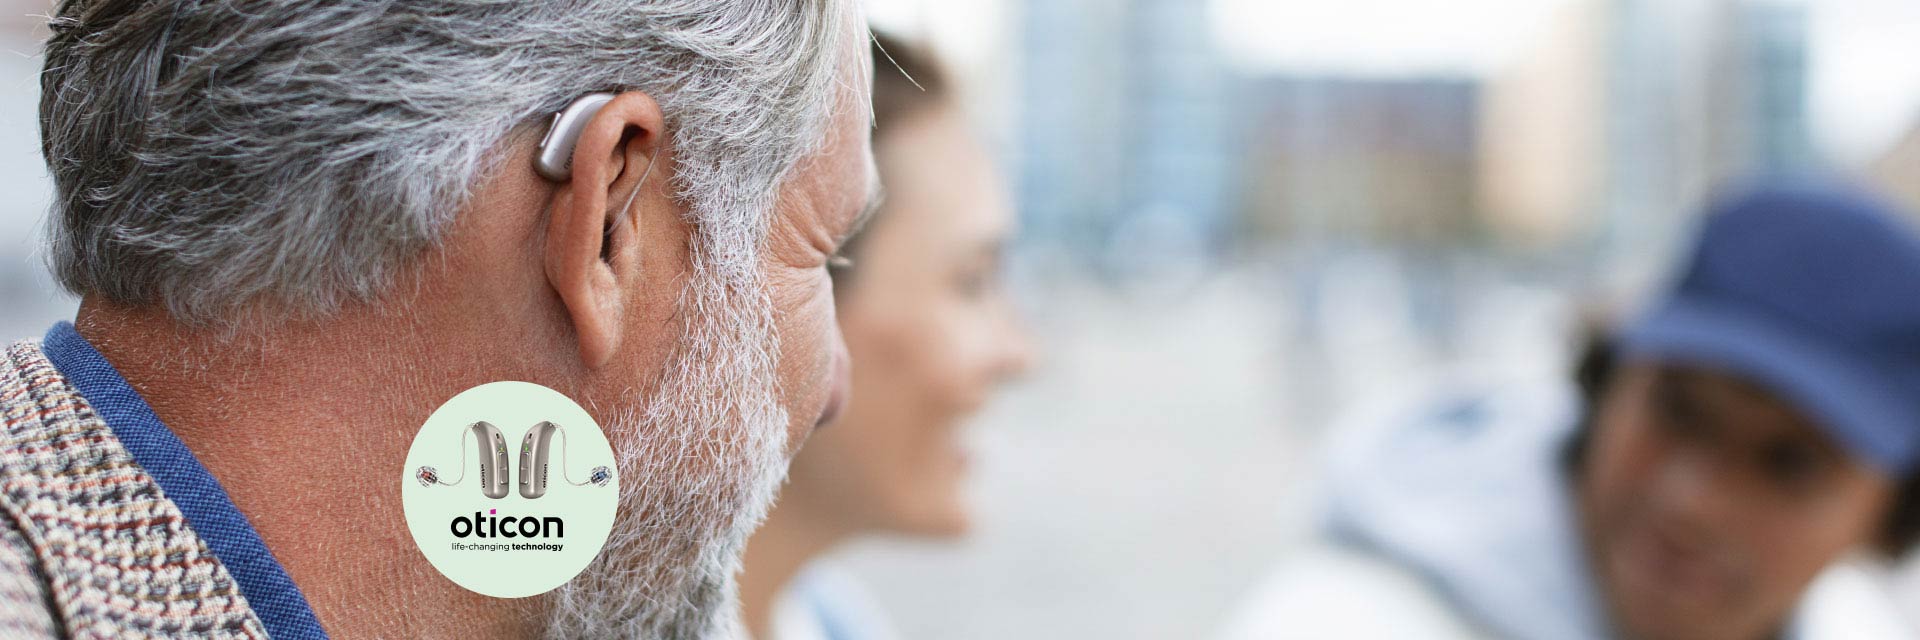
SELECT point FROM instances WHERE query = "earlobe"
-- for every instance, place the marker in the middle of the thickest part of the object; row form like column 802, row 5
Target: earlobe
column 592, row 250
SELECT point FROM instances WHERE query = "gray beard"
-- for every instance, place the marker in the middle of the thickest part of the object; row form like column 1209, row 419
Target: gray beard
column 700, row 463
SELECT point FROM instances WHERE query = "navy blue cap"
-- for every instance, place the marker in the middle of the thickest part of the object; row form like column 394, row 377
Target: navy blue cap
column 1813, row 293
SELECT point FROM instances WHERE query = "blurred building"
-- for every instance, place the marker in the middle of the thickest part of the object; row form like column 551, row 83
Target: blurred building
column 1359, row 161
column 1542, row 136
column 1619, row 119
column 1124, row 123
column 1701, row 92
column 1629, row 112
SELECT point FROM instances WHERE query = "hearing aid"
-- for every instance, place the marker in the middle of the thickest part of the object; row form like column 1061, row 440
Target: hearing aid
column 534, row 451
column 554, row 159
column 493, row 462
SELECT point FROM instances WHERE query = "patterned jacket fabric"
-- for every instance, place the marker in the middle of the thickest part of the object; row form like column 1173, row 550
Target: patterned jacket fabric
column 90, row 547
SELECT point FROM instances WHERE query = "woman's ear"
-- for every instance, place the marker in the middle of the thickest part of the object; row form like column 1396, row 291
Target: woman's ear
column 593, row 241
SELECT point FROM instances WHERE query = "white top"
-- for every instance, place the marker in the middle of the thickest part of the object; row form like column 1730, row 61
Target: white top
column 826, row 603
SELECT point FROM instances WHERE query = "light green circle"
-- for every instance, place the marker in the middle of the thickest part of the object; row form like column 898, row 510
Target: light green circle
column 491, row 565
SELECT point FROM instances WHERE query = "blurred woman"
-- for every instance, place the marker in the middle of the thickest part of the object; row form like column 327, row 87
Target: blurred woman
column 931, row 334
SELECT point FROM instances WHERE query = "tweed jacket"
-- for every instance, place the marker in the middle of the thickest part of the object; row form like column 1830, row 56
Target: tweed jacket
column 90, row 547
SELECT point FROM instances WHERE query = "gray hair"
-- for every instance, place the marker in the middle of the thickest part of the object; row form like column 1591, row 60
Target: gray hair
column 210, row 155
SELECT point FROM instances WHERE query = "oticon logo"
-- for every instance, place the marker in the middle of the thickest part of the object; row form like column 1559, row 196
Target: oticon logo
column 492, row 525
column 531, row 527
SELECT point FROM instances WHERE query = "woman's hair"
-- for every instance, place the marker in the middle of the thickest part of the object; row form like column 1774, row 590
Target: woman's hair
column 1599, row 362
column 906, row 81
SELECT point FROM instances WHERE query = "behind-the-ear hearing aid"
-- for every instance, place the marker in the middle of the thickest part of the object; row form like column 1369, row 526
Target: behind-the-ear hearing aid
column 554, row 160
column 533, row 462
column 493, row 462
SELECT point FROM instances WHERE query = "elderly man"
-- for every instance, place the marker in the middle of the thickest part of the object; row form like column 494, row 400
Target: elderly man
column 298, row 227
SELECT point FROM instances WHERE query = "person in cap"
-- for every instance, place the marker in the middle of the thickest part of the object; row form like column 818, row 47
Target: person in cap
column 1730, row 465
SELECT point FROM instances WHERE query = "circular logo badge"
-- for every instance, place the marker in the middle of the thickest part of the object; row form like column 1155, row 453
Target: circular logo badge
column 510, row 489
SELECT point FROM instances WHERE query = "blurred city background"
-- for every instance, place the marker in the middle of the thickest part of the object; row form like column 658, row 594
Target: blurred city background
column 1242, row 218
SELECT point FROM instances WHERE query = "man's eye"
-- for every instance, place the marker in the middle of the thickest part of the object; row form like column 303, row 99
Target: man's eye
column 839, row 262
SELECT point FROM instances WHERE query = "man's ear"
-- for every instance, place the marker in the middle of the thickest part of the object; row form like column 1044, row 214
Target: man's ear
column 593, row 258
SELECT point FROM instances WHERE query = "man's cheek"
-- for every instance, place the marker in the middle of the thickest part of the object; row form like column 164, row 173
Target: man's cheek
column 804, row 318
column 809, row 300
column 815, row 328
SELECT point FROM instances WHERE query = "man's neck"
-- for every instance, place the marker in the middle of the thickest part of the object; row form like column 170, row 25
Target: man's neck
column 308, row 433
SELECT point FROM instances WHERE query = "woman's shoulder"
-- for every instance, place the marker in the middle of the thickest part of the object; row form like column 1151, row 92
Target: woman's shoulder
column 827, row 603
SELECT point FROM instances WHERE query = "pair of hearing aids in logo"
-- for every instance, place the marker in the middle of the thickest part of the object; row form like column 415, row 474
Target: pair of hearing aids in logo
column 537, row 520
column 535, row 449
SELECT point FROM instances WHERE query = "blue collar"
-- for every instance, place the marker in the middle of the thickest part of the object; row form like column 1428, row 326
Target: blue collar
column 282, row 609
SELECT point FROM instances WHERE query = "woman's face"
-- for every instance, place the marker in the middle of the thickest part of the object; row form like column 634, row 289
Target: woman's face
column 1709, row 504
column 930, row 332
